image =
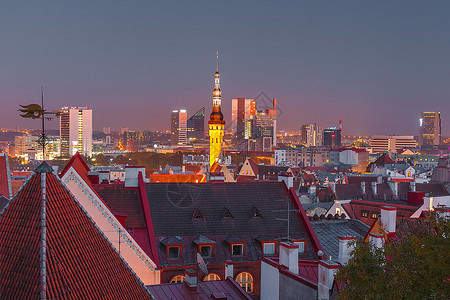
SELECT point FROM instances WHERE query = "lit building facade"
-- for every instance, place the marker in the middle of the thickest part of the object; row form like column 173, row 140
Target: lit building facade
column 392, row 143
column 196, row 126
column 216, row 123
column 76, row 131
column 430, row 128
column 312, row 135
column 332, row 137
column 178, row 127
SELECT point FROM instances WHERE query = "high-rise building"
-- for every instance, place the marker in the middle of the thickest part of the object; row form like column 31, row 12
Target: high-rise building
column 196, row 126
column 241, row 111
column 216, row 123
column 260, row 130
column 24, row 143
column 76, row 130
column 332, row 137
column 178, row 127
column 312, row 135
column 430, row 129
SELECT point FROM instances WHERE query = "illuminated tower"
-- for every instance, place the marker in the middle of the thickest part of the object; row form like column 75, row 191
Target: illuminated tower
column 216, row 122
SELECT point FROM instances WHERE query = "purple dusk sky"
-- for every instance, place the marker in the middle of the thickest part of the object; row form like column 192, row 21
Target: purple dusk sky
column 374, row 64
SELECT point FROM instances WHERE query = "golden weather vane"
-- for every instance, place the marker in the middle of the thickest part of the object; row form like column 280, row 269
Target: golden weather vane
column 36, row 111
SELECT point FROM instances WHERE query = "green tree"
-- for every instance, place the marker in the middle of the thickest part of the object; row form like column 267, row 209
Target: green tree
column 414, row 267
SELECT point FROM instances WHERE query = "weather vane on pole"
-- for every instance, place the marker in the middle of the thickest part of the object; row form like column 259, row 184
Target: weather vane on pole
column 36, row 111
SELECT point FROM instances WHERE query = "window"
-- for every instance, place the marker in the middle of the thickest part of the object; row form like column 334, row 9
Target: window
column 374, row 215
column 177, row 279
column 338, row 211
column 269, row 248
column 211, row 277
column 301, row 247
column 245, row 280
column 205, row 251
column 365, row 214
column 174, row 252
column 237, row 250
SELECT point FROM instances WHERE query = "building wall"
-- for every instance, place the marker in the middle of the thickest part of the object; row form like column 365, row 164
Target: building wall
column 270, row 282
column 293, row 289
column 216, row 132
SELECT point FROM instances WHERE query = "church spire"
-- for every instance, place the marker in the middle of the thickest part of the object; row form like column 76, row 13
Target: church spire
column 216, row 115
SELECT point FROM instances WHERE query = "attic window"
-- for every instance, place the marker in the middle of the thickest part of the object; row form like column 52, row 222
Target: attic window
column 365, row 214
column 256, row 213
column 173, row 252
column 227, row 214
column 197, row 215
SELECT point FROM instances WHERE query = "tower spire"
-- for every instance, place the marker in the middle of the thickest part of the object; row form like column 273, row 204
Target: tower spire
column 217, row 58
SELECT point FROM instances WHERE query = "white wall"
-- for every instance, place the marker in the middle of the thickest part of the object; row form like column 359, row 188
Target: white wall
column 270, row 282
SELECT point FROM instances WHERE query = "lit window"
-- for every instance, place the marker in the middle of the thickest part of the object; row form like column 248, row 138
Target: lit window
column 365, row 214
column 245, row 280
column 374, row 215
column 237, row 250
column 174, row 252
column 205, row 251
column 269, row 248
column 177, row 279
column 211, row 277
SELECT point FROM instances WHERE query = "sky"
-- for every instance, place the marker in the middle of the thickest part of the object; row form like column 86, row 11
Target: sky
column 375, row 65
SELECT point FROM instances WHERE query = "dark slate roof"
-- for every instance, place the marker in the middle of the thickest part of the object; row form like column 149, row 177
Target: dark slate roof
column 434, row 189
column 172, row 207
column 203, row 240
column 310, row 206
column 80, row 262
column 329, row 231
column 3, row 202
column 205, row 290
column 348, row 191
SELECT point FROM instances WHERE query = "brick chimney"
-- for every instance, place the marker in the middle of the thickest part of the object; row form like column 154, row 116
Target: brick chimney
column 376, row 239
column 389, row 219
column 327, row 270
column 289, row 256
column 229, row 266
column 374, row 187
column 363, row 187
column 345, row 248
column 190, row 278
column 394, row 188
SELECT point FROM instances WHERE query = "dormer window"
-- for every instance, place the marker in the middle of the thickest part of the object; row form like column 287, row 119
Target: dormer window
column 227, row 214
column 237, row 250
column 205, row 251
column 256, row 213
column 197, row 215
column 269, row 248
column 301, row 245
column 173, row 252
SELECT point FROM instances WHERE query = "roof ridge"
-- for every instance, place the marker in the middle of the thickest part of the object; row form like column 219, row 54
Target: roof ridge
column 43, row 240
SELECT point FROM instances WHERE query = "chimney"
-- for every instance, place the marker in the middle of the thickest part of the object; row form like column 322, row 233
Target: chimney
column 289, row 256
column 327, row 270
column 428, row 201
column 412, row 186
column 376, row 239
column 389, row 219
column 379, row 179
column 374, row 187
column 363, row 187
column 183, row 169
column 190, row 278
column 333, row 187
column 229, row 269
column 288, row 179
column 345, row 248
column 131, row 175
column 394, row 188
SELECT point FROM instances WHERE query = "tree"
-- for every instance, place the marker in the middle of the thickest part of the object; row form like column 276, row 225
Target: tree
column 414, row 267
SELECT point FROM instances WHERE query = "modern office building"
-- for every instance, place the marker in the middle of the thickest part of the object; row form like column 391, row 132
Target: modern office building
column 392, row 143
column 178, row 127
column 196, row 126
column 312, row 135
column 241, row 111
column 332, row 137
column 76, row 131
column 430, row 129
column 24, row 143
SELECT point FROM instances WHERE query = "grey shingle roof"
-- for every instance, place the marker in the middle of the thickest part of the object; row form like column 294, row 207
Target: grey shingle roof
column 329, row 231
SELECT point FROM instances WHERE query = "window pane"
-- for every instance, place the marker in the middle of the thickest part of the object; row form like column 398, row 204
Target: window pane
column 237, row 250
column 174, row 252
column 205, row 251
column 301, row 246
column 269, row 248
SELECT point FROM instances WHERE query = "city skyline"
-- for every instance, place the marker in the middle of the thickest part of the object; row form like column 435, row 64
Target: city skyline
column 375, row 76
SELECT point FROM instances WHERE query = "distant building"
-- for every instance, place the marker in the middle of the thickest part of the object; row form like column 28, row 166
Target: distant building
column 23, row 143
column 216, row 123
column 312, row 135
column 178, row 127
column 332, row 137
column 392, row 143
column 76, row 130
column 430, row 128
column 241, row 111
column 196, row 126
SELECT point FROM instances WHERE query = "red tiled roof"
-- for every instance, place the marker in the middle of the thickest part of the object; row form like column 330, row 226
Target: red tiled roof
column 204, row 290
column 78, row 163
column 77, row 263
